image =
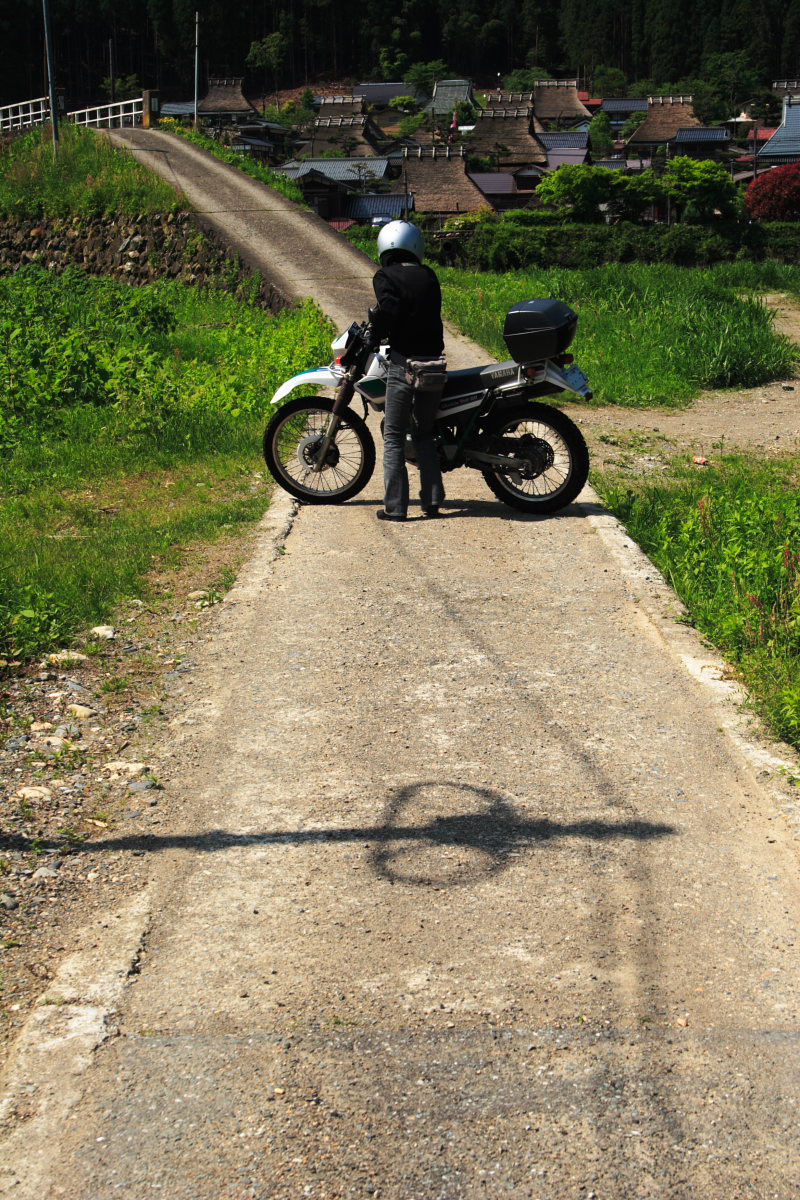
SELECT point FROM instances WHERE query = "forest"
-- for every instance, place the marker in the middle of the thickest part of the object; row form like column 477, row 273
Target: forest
column 637, row 46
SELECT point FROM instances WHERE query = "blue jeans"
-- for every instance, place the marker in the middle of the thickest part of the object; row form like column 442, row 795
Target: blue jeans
column 411, row 412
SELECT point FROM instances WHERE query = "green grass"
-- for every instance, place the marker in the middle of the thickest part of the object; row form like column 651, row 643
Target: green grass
column 648, row 335
column 133, row 421
column 728, row 540
column 89, row 178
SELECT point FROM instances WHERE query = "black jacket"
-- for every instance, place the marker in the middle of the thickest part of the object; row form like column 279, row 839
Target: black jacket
column 409, row 310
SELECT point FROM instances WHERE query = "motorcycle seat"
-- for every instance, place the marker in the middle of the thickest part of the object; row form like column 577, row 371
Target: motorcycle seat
column 479, row 379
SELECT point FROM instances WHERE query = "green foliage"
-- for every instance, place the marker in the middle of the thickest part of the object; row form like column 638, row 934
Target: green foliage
column 700, row 189
column 609, row 82
column 601, row 138
column 632, row 123
column 250, row 166
column 89, row 178
column 647, row 335
column 125, row 87
column 524, row 79
column 109, row 386
column 423, row 75
column 406, row 104
column 576, row 191
column 727, row 541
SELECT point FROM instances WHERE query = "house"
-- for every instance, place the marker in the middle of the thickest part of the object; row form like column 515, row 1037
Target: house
column 506, row 137
column 565, row 148
column 339, row 106
column 328, row 183
column 395, row 205
column 380, row 95
column 352, row 135
column 447, row 95
column 702, row 141
column 784, row 145
column 556, row 104
column 224, row 102
column 665, row 116
column 436, row 177
column 501, row 189
column 620, row 108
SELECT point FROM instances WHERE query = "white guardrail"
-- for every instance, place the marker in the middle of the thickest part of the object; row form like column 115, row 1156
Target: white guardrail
column 36, row 112
column 29, row 112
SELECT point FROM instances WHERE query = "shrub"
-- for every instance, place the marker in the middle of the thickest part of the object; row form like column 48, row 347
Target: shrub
column 775, row 196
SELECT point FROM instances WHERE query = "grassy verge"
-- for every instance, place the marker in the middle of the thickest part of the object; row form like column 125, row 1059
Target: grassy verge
column 727, row 540
column 648, row 335
column 130, row 427
column 250, row 166
column 89, row 178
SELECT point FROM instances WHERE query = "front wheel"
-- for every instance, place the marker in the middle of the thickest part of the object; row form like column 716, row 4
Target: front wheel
column 293, row 442
column 550, row 460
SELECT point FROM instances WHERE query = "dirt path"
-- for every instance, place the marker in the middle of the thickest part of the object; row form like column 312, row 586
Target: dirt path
column 472, row 884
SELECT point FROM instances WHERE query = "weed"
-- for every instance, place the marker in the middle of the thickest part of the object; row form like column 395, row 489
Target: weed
column 115, row 684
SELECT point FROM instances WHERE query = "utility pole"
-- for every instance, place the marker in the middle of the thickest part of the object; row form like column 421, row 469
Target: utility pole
column 51, row 83
column 196, row 65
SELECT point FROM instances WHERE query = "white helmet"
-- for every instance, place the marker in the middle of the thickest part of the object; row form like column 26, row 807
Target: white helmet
column 401, row 235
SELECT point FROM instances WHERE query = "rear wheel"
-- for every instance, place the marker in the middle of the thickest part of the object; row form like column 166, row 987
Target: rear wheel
column 551, row 461
column 293, row 442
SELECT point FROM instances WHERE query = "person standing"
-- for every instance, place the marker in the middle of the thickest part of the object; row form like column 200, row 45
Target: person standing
column 408, row 315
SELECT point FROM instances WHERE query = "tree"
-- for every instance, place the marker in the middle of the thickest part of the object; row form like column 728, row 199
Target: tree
column 632, row 195
column 524, row 80
column 609, row 81
column 270, row 53
column 775, row 196
column 423, row 76
column 699, row 189
column 576, row 192
column 601, row 137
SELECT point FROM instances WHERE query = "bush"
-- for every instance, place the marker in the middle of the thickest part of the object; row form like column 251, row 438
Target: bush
column 775, row 196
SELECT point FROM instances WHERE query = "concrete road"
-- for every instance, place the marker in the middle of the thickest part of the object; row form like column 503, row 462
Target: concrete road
column 476, row 888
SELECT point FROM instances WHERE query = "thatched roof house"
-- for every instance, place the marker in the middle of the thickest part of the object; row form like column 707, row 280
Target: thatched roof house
column 437, row 179
column 505, row 134
column 339, row 106
column 556, row 103
column 509, row 99
column 353, row 136
column 225, row 100
column 665, row 116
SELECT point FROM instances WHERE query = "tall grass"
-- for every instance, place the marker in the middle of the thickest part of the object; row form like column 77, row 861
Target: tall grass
column 648, row 335
column 243, row 162
column 155, row 442
column 728, row 540
column 89, row 178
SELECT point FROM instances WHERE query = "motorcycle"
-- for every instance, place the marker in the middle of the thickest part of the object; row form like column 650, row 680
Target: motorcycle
column 531, row 455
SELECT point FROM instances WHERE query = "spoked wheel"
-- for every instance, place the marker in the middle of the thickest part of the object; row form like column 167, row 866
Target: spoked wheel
column 293, row 443
column 551, row 459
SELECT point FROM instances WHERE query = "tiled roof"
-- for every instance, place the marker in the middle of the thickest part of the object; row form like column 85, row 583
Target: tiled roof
column 784, row 145
column 703, row 133
column 390, row 205
column 565, row 158
column 665, row 116
column 509, row 128
column 625, row 104
column 569, row 139
column 494, row 181
column 760, row 134
column 440, row 184
column 611, row 164
column 447, row 93
column 557, row 100
column 382, row 93
column 341, row 170
column 225, row 96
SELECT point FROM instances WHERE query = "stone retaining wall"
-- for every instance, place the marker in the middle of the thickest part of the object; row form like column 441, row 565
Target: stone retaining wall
column 136, row 249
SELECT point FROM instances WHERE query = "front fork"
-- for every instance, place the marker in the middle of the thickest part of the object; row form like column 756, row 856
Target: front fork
column 344, row 394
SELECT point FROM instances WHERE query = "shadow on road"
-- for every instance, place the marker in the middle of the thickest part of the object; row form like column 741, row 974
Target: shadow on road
column 422, row 825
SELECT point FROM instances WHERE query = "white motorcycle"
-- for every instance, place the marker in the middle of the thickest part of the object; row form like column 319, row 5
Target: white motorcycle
column 531, row 455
